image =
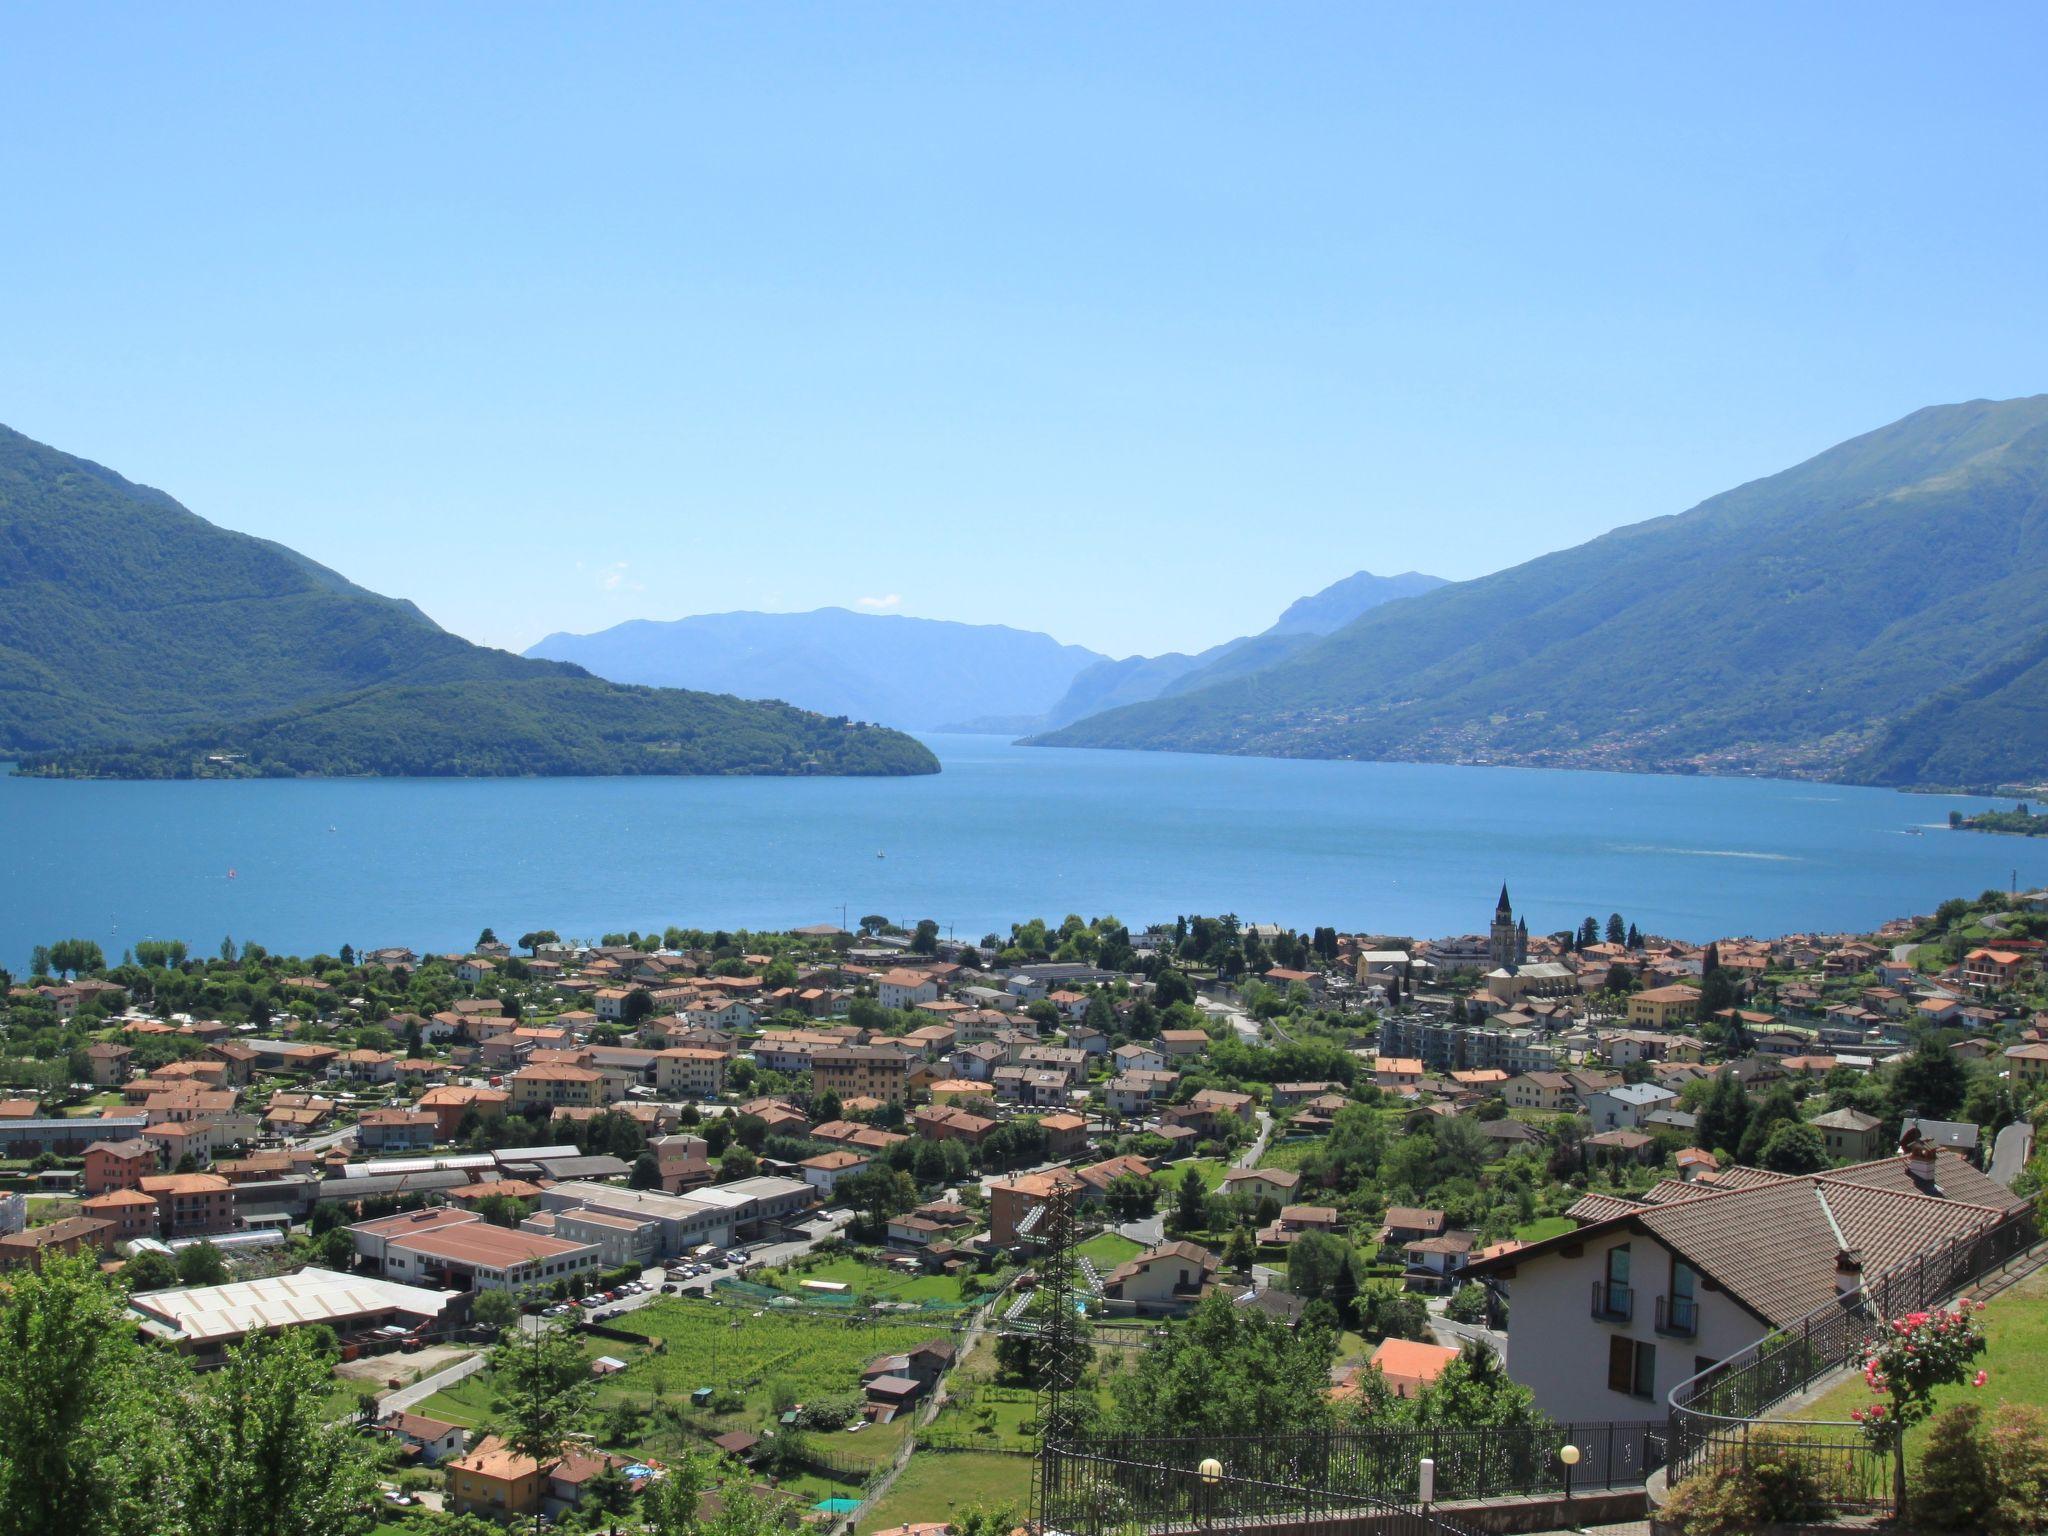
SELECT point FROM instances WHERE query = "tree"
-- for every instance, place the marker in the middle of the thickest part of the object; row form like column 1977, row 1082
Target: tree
column 39, row 960
column 1314, row 1260
column 1793, row 1147
column 531, row 942
column 1589, row 933
column 495, row 1310
column 201, row 1264
column 1724, row 1116
column 1617, row 931
column 488, row 936
column 544, row 1379
column 1191, row 1202
column 646, row 1172
column 1170, row 987
column 1129, row 1196
column 153, row 1271
column 924, row 939
column 78, row 1444
column 638, row 1005
column 1227, row 1371
column 1778, row 1108
column 1929, row 1084
column 258, row 1456
column 71, row 956
column 1475, row 1391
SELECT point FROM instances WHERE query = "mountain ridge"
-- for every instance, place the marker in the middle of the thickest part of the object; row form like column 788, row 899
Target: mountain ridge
column 139, row 639
column 1778, row 627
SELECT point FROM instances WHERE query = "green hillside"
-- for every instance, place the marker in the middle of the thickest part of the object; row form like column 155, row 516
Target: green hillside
column 1876, row 613
column 138, row 638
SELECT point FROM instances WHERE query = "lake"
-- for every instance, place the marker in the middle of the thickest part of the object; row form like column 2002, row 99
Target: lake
column 1004, row 834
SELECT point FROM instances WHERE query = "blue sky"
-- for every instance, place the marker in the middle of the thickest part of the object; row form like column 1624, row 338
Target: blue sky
column 1131, row 323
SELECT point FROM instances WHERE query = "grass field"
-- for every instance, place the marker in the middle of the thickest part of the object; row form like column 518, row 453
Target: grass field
column 938, row 1484
column 1211, row 1170
column 765, row 1357
column 1109, row 1249
column 871, row 1281
column 2016, row 1359
column 1543, row 1226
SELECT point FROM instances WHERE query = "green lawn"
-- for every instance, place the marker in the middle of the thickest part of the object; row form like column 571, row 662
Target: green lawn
column 938, row 1484
column 870, row 1280
column 2016, row 1358
column 1109, row 1249
column 1543, row 1226
column 1210, row 1169
column 763, row 1356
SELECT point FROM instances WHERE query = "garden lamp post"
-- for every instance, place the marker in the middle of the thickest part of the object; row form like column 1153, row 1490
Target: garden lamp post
column 1569, row 1455
column 1212, row 1474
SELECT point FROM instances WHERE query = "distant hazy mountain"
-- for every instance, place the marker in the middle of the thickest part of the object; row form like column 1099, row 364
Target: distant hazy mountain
column 918, row 674
column 1137, row 679
column 1878, row 613
column 139, row 640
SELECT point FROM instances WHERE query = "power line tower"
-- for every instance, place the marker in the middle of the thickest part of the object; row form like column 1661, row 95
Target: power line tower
column 1062, row 1350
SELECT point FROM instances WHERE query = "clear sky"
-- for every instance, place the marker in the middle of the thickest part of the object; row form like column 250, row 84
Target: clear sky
column 1130, row 323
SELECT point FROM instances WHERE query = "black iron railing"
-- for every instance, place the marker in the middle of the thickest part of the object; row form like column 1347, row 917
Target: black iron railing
column 1678, row 1316
column 1722, row 1417
column 1381, row 1465
column 1613, row 1302
column 1090, row 1493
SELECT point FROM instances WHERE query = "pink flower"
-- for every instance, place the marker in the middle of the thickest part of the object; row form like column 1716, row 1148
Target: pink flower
column 1980, row 1378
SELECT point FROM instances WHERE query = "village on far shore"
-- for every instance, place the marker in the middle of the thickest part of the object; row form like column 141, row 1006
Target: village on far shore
column 789, row 1192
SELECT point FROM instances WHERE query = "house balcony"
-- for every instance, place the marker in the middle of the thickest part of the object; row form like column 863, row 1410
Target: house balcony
column 1678, row 1316
column 1613, row 1303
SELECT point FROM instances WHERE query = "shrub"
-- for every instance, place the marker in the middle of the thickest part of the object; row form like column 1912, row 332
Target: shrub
column 1774, row 1483
column 1974, row 1477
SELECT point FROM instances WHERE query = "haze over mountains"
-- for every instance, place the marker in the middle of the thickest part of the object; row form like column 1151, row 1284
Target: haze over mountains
column 932, row 674
column 139, row 640
column 1877, row 614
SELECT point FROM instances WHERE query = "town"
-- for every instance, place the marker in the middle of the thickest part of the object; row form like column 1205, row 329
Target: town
column 884, row 1230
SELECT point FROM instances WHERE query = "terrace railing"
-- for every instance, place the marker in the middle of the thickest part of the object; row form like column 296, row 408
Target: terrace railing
column 1723, row 1417
column 1090, row 1493
column 1267, row 1477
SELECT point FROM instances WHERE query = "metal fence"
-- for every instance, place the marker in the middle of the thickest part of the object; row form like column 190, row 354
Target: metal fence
column 1719, row 1418
column 1087, row 1493
column 1367, row 1467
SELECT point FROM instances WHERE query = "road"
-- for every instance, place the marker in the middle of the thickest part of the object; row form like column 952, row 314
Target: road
column 1249, row 1158
column 1453, row 1335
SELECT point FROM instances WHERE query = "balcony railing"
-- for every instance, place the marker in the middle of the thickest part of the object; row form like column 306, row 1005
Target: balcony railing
column 1678, row 1316
column 1613, row 1302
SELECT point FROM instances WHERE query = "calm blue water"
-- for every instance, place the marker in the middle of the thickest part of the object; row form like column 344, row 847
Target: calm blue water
column 1003, row 834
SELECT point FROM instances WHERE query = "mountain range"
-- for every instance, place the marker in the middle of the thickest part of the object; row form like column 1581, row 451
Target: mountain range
column 1877, row 614
column 139, row 640
column 934, row 674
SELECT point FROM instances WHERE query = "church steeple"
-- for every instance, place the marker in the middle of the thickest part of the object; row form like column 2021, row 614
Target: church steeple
column 1504, row 946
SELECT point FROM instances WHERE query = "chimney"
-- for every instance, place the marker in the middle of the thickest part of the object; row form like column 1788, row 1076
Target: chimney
column 1921, row 1159
column 1848, row 1271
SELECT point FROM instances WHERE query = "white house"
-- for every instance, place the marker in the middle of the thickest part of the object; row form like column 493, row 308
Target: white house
column 1609, row 1318
column 905, row 989
column 1624, row 1106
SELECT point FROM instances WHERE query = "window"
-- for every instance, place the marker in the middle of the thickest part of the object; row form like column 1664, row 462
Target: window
column 1632, row 1367
column 1617, row 1265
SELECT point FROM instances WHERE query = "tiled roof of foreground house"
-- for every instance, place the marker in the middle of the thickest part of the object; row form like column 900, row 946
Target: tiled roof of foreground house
column 1771, row 1240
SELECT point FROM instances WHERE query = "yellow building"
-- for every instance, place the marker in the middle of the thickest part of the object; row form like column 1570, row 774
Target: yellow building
column 857, row 1071
column 690, row 1071
column 495, row 1481
column 555, row 1087
column 1664, row 1007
